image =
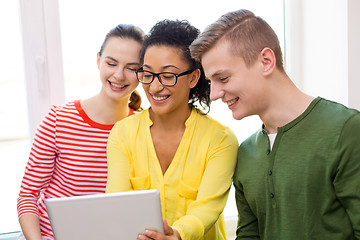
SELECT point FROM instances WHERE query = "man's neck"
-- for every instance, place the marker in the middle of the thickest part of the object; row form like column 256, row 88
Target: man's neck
column 286, row 103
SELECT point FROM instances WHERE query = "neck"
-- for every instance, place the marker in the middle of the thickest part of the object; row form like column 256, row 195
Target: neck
column 170, row 121
column 104, row 110
column 286, row 103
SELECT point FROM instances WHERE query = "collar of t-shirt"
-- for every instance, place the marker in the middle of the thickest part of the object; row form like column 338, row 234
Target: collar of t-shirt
column 272, row 137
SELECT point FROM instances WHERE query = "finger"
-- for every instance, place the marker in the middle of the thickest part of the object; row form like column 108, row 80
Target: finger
column 154, row 235
column 142, row 237
column 167, row 229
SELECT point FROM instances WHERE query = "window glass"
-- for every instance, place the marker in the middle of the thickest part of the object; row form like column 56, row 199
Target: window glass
column 14, row 143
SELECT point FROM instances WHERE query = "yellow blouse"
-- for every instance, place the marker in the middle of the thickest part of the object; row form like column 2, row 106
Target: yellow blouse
column 195, row 187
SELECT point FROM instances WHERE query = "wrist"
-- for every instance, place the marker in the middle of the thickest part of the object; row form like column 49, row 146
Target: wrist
column 177, row 234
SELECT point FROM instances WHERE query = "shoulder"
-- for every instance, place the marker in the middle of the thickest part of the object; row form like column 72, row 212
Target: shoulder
column 253, row 141
column 65, row 107
column 333, row 112
column 63, row 110
column 213, row 129
column 328, row 118
column 350, row 131
column 206, row 121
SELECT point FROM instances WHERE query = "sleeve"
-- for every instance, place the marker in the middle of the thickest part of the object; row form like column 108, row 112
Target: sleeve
column 214, row 188
column 40, row 166
column 247, row 227
column 347, row 179
column 118, row 158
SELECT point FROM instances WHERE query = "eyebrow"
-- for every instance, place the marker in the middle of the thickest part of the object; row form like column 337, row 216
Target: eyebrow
column 135, row 63
column 217, row 73
column 164, row 67
column 113, row 59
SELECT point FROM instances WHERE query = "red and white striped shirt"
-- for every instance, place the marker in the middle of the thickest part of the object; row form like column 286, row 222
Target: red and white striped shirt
column 67, row 158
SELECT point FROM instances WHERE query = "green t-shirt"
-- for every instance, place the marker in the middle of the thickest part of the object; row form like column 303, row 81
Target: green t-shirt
column 308, row 185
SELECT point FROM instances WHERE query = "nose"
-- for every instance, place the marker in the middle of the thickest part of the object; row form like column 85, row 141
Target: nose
column 156, row 86
column 119, row 74
column 215, row 92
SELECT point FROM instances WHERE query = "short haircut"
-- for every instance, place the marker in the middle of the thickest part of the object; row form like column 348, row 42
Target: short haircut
column 248, row 36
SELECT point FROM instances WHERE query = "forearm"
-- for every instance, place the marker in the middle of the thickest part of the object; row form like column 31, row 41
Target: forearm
column 30, row 226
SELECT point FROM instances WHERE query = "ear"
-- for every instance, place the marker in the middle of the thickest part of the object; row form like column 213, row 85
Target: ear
column 268, row 61
column 98, row 60
column 195, row 78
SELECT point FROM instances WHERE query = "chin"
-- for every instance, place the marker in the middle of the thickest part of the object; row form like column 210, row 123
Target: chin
column 237, row 116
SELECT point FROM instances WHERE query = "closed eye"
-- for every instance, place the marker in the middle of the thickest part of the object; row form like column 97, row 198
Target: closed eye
column 168, row 76
column 223, row 79
column 111, row 64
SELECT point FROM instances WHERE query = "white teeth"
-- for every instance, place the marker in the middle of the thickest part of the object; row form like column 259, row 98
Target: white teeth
column 159, row 98
column 231, row 102
column 116, row 85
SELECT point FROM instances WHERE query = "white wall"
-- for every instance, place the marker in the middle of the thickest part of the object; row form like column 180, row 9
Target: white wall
column 353, row 41
column 322, row 48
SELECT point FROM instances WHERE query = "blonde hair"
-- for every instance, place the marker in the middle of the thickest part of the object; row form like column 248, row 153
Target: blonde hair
column 248, row 36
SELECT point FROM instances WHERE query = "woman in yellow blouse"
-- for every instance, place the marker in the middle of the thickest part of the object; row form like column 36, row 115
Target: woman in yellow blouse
column 173, row 146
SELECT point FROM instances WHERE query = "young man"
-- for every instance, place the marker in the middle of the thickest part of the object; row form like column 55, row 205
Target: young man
column 298, row 177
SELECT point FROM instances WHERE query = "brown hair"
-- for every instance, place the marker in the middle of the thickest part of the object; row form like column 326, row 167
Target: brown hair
column 247, row 34
column 127, row 31
column 135, row 101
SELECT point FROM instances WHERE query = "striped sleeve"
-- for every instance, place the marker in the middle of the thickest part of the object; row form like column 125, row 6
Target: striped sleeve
column 40, row 166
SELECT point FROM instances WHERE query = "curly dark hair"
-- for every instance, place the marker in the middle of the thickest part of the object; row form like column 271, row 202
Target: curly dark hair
column 180, row 34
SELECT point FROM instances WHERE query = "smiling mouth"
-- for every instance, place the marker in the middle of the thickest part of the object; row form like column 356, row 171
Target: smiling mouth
column 160, row 98
column 116, row 85
column 231, row 102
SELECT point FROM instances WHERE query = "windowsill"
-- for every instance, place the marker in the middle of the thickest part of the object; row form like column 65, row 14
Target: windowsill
column 231, row 223
column 9, row 236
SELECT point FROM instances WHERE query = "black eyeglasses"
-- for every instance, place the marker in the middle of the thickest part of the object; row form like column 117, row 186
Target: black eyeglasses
column 165, row 78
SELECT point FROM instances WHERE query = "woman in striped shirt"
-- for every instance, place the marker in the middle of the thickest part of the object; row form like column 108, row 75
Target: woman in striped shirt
column 68, row 155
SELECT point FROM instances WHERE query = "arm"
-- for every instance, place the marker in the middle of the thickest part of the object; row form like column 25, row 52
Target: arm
column 118, row 162
column 37, row 175
column 247, row 222
column 347, row 179
column 30, row 226
column 204, row 211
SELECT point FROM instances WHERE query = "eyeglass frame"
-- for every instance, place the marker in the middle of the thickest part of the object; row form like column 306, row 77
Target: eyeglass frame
column 159, row 78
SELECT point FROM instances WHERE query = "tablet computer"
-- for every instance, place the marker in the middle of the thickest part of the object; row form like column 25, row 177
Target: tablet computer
column 105, row 216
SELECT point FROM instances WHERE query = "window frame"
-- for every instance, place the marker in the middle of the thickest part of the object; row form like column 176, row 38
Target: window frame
column 44, row 77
